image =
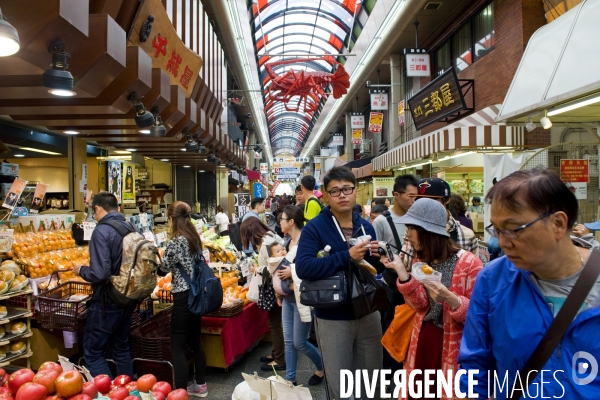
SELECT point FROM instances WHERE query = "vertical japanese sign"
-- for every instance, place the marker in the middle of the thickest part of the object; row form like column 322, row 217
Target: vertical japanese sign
column 164, row 46
column 337, row 139
column 375, row 122
column 418, row 64
column 38, row 198
column 357, row 121
column 114, row 179
column 439, row 99
column 14, row 193
column 401, row 118
column 258, row 189
column 576, row 175
column 241, row 203
column 357, row 136
column 128, row 183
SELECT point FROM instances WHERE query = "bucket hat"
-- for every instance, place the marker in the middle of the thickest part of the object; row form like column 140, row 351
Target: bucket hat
column 429, row 214
column 433, row 187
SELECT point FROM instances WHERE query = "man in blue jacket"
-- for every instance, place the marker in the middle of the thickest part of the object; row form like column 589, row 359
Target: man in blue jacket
column 516, row 297
column 106, row 322
column 345, row 342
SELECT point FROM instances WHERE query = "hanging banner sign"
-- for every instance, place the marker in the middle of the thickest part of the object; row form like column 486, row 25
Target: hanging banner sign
column 375, row 122
column 438, row 100
column 258, row 190
column 357, row 121
column 572, row 171
column 379, row 101
column 337, row 139
column 14, row 193
column 38, row 198
column 257, row 155
column 114, row 179
column 418, row 64
column 161, row 42
column 128, row 183
column 264, row 168
column 401, row 117
column 241, row 203
column 357, row 136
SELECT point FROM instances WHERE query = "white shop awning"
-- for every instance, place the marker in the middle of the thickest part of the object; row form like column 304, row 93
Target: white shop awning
column 478, row 130
column 559, row 66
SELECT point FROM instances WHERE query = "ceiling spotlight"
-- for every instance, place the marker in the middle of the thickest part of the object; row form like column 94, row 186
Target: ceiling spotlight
column 20, row 155
column 164, row 159
column 545, row 121
column 201, row 147
column 249, row 115
column 529, row 125
column 58, row 80
column 191, row 145
column 211, row 156
column 71, row 132
column 157, row 129
column 257, row 149
column 9, row 38
column 230, row 164
column 143, row 118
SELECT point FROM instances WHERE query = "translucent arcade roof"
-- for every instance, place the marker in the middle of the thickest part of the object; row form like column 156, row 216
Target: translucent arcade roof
column 287, row 30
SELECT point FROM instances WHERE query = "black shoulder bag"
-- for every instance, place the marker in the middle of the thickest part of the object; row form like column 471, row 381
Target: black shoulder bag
column 563, row 319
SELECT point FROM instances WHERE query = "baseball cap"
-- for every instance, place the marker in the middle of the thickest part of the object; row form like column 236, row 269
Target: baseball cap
column 433, row 187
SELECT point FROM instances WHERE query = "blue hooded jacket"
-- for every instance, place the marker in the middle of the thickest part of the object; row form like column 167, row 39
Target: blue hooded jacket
column 318, row 233
column 507, row 318
column 106, row 251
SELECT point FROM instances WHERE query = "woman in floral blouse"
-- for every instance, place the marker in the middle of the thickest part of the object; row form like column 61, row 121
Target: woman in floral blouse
column 185, row 245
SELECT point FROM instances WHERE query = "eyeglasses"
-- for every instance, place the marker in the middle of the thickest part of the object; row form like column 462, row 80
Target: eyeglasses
column 337, row 192
column 512, row 233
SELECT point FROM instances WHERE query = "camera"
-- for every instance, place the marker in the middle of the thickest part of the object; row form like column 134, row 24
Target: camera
column 385, row 250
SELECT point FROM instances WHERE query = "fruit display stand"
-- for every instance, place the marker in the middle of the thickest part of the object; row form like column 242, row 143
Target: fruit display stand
column 13, row 315
column 227, row 339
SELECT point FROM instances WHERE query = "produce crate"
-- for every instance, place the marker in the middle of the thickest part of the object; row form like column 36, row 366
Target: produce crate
column 228, row 311
column 56, row 311
column 151, row 339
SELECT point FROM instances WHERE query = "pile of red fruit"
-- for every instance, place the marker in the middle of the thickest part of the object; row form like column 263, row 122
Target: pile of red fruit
column 51, row 383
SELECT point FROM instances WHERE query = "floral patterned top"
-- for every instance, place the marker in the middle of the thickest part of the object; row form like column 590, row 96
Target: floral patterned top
column 178, row 251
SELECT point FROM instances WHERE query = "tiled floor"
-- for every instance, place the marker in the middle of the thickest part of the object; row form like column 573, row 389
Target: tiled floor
column 222, row 384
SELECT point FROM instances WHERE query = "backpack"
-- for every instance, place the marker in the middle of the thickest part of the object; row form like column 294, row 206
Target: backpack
column 313, row 199
column 205, row 293
column 137, row 275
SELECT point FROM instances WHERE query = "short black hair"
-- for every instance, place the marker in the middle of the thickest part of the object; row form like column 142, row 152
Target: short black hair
column 379, row 208
column 308, row 182
column 271, row 246
column 357, row 208
column 256, row 201
column 298, row 188
column 107, row 201
column 403, row 181
column 380, row 201
column 540, row 190
column 342, row 174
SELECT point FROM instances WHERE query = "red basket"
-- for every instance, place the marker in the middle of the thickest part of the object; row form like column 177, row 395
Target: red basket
column 56, row 311
column 151, row 339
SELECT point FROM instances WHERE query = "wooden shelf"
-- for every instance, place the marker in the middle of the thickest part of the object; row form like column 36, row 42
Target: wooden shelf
column 7, row 338
column 11, row 357
column 14, row 313
column 13, row 294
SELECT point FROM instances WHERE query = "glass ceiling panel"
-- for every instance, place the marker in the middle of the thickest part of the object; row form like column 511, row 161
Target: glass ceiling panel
column 288, row 29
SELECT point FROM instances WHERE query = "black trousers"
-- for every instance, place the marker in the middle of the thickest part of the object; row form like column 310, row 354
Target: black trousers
column 185, row 329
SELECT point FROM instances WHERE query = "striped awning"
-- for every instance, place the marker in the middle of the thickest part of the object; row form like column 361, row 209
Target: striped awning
column 475, row 131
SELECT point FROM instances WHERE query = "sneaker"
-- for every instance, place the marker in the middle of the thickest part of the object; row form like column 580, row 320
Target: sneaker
column 197, row 390
column 315, row 380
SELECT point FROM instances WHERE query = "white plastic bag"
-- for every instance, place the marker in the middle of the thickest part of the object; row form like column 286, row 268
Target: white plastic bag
column 255, row 282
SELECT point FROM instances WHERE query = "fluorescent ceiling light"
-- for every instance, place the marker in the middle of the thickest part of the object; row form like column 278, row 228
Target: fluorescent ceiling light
column 144, row 131
column 573, row 106
column 71, row 132
column 122, row 152
column 164, row 159
column 201, row 170
column 131, row 150
column 413, row 166
column 52, row 153
column 19, row 155
column 183, row 149
column 186, row 166
column 62, row 92
column 457, row 155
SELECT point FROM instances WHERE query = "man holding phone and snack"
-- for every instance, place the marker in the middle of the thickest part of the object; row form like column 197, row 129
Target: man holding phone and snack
column 345, row 342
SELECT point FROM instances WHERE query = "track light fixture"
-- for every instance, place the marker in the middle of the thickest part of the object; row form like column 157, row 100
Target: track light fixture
column 157, row 129
column 142, row 117
column 201, row 147
column 9, row 38
column 230, row 164
column 211, row 155
column 58, row 80
column 545, row 121
column 191, row 145
column 218, row 160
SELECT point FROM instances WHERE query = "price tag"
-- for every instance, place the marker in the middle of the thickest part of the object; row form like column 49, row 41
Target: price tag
column 161, row 237
column 88, row 229
column 245, row 269
column 149, row 236
column 199, row 228
column 6, row 238
column 144, row 220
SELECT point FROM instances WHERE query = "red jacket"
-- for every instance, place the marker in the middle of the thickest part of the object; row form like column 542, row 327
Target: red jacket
column 415, row 294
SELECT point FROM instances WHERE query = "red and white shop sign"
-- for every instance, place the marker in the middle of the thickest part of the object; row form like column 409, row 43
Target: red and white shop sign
column 357, row 121
column 573, row 171
column 418, row 65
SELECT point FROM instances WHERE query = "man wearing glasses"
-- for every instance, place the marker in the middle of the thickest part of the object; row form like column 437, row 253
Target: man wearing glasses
column 345, row 342
column 517, row 297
